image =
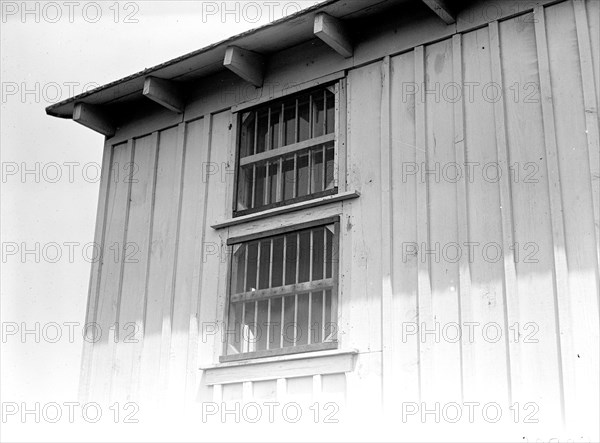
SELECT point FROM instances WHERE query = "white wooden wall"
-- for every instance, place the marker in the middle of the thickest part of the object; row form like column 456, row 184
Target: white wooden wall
column 545, row 124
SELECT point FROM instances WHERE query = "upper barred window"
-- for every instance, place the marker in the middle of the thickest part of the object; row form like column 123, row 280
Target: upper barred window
column 286, row 151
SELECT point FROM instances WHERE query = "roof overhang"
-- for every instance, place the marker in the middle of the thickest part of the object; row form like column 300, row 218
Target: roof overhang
column 243, row 54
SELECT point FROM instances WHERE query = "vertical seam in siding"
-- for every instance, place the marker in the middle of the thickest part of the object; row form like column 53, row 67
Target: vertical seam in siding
column 510, row 275
column 167, row 314
column 196, row 305
column 423, row 265
column 464, row 271
column 137, row 366
column 561, row 273
column 115, row 343
column 386, row 234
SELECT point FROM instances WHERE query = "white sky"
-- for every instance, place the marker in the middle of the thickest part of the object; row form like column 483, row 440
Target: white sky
column 43, row 52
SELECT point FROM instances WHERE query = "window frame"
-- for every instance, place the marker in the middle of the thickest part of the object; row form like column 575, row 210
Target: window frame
column 295, row 349
column 337, row 137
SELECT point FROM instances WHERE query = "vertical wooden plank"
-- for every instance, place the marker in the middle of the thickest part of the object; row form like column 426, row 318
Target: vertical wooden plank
column 169, row 295
column 218, row 394
column 193, row 378
column 111, row 278
column 341, row 128
column 462, row 209
column 162, row 265
column 510, row 295
column 591, row 114
column 538, row 378
column 486, row 368
column 405, row 382
column 561, row 289
column 247, row 392
column 96, row 272
column 579, row 310
column 216, row 256
column 438, row 172
column 386, row 236
column 281, row 390
column 135, row 271
column 359, row 321
column 189, row 257
column 425, row 308
column 317, row 388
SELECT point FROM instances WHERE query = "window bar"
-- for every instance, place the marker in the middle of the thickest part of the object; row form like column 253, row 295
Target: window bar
column 309, row 330
column 268, row 146
column 258, row 266
column 324, row 167
column 282, row 321
column 324, row 111
column 254, row 345
column 295, row 319
column 253, row 205
column 324, row 277
column 281, row 120
column 279, row 194
column 296, row 295
column 296, row 124
column 268, row 322
column 243, row 321
column 324, row 296
column 255, row 132
column 310, row 257
column 284, row 257
column 295, row 190
column 245, row 268
column 324, row 253
column 297, row 257
column 267, row 193
column 310, row 166
column 271, row 265
column 311, row 117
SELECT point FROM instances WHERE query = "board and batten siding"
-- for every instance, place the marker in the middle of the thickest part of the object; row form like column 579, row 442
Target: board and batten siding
column 477, row 162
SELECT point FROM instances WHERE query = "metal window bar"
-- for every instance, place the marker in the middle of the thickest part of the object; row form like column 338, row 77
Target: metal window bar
column 268, row 136
column 255, row 341
column 255, row 147
column 253, row 202
column 268, row 323
column 324, row 111
column 282, row 322
column 242, row 325
column 310, row 166
column 267, row 193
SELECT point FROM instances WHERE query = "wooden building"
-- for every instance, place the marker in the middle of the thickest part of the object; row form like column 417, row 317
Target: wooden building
column 413, row 189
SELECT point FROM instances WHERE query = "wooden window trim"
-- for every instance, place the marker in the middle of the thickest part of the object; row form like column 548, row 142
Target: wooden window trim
column 283, row 230
column 331, row 283
column 281, row 366
column 338, row 137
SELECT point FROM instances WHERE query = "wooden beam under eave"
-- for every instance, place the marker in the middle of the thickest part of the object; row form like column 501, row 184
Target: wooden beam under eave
column 332, row 31
column 443, row 11
column 164, row 92
column 245, row 64
column 94, row 118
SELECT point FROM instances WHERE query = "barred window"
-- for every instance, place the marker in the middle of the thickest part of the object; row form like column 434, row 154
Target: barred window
column 286, row 151
column 283, row 292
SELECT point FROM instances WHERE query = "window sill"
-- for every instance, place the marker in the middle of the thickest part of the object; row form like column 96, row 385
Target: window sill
column 283, row 366
column 287, row 209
